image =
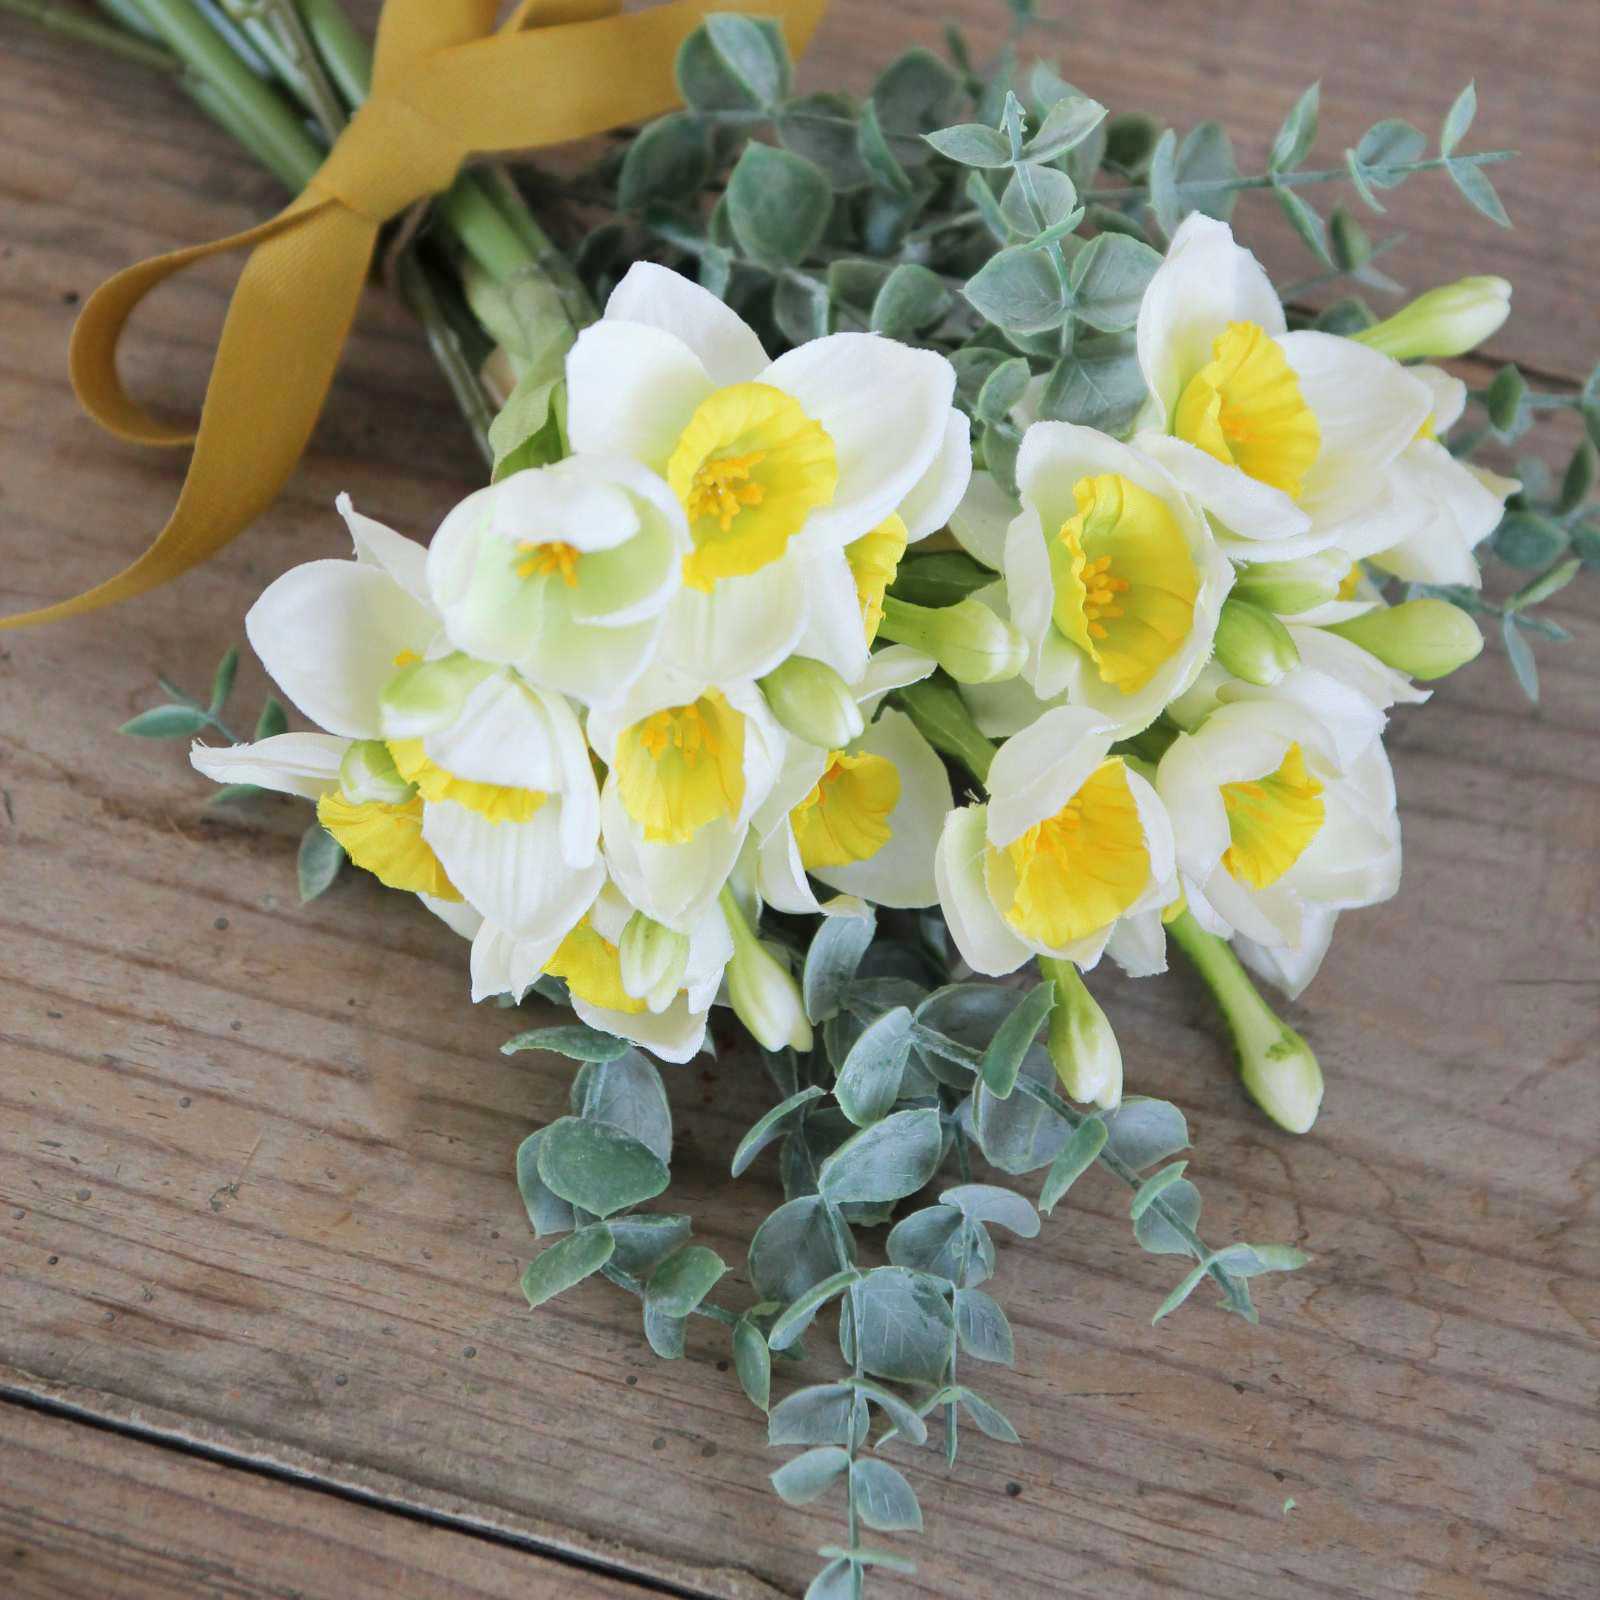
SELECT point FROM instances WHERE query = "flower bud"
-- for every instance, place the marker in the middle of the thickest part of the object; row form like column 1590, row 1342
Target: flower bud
column 654, row 958
column 1253, row 645
column 1423, row 638
column 368, row 773
column 1083, row 1049
column 971, row 642
column 813, row 703
column 1289, row 587
column 427, row 696
column 1280, row 1074
column 1447, row 321
column 761, row 989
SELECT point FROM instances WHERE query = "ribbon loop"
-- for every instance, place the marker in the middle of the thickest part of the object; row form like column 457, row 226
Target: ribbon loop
column 389, row 157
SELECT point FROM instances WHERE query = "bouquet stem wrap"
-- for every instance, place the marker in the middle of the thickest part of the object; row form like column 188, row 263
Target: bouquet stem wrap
column 446, row 86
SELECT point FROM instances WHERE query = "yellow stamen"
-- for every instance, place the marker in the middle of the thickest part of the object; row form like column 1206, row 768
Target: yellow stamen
column 683, row 767
column 1272, row 820
column 1244, row 407
column 1125, row 582
column 845, row 817
column 541, row 558
column 497, row 802
column 387, row 841
column 749, row 468
column 1350, row 582
column 1075, row 873
column 406, row 658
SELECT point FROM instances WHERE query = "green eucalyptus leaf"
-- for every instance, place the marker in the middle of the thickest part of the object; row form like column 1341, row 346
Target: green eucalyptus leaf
column 1186, row 1286
column 1298, row 133
column 1386, row 148
column 869, row 1080
column 526, row 431
column 941, row 579
column 1204, row 166
column 1018, row 1134
column 796, row 1316
column 972, row 144
column 1506, row 401
column 1545, row 585
column 824, row 1413
column 566, row 1262
column 681, row 1281
column 989, row 1419
column 706, row 81
column 1348, row 241
column 940, row 1240
column 318, row 862
column 1054, row 192
column 872, row 146
column 1066, row 124
column 668, row 159
column 808, row 1477
column 793, row 1250
column 1131, row 138
column 1577, row 482
column 664, row 1332
column 800, row 307
column 836, row 1581
column 1165, row 200
column 772, row 1126
column 904, row 1420
column 1142, row 1131
column 1019, row 290
column 222, row 679
column 988, row 1202
column 575, row 1040
column 1474, row 184
column 778, row 204
column 900, row 1324
column 645, row 1238
column 915, row 94
column 1520, row 654
column 1305, row 221
column 753, row 52
column 831, row 963
column 883, row 1499
column 753, row 1362
column 166, row 722
column 886, row 1161
column 1109, row 278
column 1458, row 119
column 911, row 300
column 822, row 128
column 1077, row 1156
column 1145, row 1195
column 598, row 1167
column 982, row 196
column 272, row 721
column 983, row 1328
column 1099, row 384
column 1002, row 389
column 1154, row 1229
column 627, row 1092
column 547, row 1211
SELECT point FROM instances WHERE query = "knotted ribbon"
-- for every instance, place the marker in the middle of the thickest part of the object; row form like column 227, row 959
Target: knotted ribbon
column 445, row 86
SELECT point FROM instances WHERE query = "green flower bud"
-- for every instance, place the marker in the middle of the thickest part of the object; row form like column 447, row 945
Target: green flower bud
column 971, row 642
column 761, row 989
column 368, row 773
column 1447, row 321
column 1423, row 638
column 654, row 958
column 1290, row 587
column 1252, row 644
column 427, row 696
column 813, row 703
column 1083, row 1049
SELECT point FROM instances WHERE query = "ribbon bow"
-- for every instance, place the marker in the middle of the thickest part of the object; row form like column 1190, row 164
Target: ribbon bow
column 445, row 86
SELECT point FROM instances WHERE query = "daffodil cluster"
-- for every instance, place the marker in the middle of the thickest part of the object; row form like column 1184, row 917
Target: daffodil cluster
column 622, row 705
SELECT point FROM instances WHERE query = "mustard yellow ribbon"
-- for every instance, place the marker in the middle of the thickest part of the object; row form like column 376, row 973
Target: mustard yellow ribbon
column 445, row 86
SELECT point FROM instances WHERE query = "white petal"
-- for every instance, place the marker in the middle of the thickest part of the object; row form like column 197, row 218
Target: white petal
column 504, row 964
column 884, row 405
column 1038, row 770
column 1448, row 394
column 677, row 1034
column 826, row 589
column 940, row 489
column 892, row 667
column 306, row 764
column 1030, row 597
column 1291, row 969
column 513, row 872
column 1206, row 282
column 1461, row 512
column 403, row 559
column 1138, row 944
column 1368, row 409
column 457, row 915
column 780, row 874
column 631, row 390
column 901, row 873
column 329, row 633
column 1249, row 510
column 980, row 521
column 725, row 343
column 1338, row 658
column 980, row 933
column 674, row 883
column 742, row 629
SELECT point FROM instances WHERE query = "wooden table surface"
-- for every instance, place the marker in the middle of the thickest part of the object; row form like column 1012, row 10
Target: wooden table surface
column 260, row 1332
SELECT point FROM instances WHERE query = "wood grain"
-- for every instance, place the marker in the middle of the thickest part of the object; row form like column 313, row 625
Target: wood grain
column 255, row 1186
column 88, row 1513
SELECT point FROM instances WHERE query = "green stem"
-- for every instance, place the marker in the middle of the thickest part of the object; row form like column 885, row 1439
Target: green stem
column 418, row 291
column 103, row 35
column 1276, row 1065
column 275, row 132
column 276, row 29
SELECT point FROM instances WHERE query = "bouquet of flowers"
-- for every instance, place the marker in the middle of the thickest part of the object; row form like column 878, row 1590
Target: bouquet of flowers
column 947, row 557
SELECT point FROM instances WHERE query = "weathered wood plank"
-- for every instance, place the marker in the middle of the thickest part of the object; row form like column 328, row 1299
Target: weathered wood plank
column 88, row 1512
column 254, row 1158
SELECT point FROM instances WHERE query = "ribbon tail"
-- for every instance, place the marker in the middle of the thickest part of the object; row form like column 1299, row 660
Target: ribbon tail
column 274, row 365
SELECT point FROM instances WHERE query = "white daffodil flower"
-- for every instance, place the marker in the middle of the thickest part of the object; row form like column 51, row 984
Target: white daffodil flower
column 776, row 464
column 1071, row 843
column 563, row 572
column 688, row 765
column 1283, row 437
column 864, row 820
column 1112, row 576
column 1455, row 506
column 498, row 805
column 1272, row 826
